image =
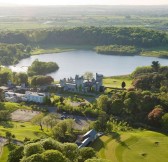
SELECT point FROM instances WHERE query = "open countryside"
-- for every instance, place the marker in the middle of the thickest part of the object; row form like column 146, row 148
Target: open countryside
column 83, row 83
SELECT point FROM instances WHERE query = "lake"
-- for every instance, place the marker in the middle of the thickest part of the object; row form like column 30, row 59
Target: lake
column 79, row 62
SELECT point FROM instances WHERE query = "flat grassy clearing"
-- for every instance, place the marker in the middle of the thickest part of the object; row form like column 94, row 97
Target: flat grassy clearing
column 140, row 146
column 115, row 81
column 22, row 130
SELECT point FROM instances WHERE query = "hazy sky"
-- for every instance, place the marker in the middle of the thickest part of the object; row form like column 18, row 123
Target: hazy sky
column 85, row 2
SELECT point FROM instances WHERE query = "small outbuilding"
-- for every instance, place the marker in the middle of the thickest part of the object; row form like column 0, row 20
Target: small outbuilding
column 88, row 138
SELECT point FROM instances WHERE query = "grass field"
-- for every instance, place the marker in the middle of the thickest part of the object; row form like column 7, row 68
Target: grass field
column 4, row 155
column 22, row 130
column 115, row 81
column 144, row 146
column 13, row 106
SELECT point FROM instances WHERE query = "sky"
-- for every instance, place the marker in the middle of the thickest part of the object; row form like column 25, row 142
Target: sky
column 84, row 2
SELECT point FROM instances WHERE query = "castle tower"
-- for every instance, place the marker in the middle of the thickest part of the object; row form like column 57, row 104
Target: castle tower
column 99, row 78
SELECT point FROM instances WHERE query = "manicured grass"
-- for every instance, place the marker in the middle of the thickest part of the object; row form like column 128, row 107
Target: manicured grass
column 140, row 146
column 5, row 153
column 22, row 130
column 115, row 81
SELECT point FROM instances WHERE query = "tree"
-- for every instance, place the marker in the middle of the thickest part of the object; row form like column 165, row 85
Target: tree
column 38, row 120
column 16, row 154
column 33, row 148
column 33, row 158
column 53, row 156
column 63, row 129
column 22, row 78
column 155, row 115
column 71, row 151
column 165, row 121
column 5, row 115
column 155, row 65
column 41, row 80
column 8, row 135
column 28, row 49
column 86, row 153
column 1, row 95
column 88, row 75
column 123, row 84
column 103, row 102
column 4, row 77
column 51, row 144
column 50, row 120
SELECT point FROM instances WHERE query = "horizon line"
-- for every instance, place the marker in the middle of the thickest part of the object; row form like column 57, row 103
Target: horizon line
column 50, row 5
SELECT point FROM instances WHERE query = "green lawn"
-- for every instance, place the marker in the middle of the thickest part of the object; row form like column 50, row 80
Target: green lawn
column 22, row 130
column 11, row 106
column 115, row 81
column 144, row 146
column 4, row 155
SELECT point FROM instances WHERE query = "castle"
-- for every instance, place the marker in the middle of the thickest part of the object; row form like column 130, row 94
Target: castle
column 79, row 84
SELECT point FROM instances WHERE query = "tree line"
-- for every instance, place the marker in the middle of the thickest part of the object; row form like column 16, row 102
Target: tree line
column 88, row 36
column 117, row 50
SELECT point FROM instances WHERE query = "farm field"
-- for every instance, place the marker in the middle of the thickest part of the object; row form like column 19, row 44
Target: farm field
column 140, row 146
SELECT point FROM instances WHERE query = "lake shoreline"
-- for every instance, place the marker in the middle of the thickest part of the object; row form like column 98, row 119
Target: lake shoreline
column 78, row 62
column 63, row 48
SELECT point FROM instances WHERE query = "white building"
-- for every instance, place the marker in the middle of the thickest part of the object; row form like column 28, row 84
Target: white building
column 35, row 97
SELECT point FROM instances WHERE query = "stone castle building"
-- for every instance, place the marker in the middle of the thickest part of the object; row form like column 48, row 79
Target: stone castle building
column 79, row 84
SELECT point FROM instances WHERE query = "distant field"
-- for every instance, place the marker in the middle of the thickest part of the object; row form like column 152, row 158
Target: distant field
column 23, row 25
column 144, row 146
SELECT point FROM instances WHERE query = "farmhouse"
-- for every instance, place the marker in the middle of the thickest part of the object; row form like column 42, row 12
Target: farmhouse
column 79, row 84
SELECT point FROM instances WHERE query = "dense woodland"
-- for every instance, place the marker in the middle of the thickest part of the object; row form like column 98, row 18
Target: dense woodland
column 12, row 53
column 88, row 36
